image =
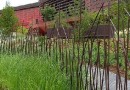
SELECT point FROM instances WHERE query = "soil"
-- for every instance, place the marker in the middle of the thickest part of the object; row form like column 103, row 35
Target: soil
column 121, row 71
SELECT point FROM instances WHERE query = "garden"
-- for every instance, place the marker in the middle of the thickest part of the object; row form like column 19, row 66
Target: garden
column 92, row 62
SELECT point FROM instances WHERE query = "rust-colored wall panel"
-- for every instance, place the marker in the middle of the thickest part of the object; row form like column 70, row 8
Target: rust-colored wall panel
column 29, row 16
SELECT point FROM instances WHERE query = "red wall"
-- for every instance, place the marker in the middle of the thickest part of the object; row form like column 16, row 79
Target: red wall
column 28, row 16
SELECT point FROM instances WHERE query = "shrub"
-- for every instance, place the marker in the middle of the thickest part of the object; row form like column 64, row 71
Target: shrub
column 22, row 30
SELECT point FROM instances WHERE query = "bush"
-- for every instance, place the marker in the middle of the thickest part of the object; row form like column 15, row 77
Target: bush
column 22, row 30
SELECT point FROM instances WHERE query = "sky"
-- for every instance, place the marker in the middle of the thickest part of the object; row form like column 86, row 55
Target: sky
column 16, row 2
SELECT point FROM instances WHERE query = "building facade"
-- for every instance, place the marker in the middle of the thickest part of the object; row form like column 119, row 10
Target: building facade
column 28, row 14
column 91, row 5
column 30, row 17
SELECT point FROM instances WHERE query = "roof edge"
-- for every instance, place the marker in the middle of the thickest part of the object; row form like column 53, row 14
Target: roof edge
column 26, row 6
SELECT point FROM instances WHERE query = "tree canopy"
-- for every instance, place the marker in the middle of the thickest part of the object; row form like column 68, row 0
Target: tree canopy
column 8, row 20
column 122, row 14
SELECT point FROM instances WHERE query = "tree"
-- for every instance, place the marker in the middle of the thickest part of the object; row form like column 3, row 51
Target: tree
column 8, row 20
column 122, row 14
column 127, row 5
column 48, row 12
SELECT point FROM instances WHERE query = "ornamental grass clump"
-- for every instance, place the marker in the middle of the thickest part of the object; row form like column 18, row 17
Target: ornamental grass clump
column 31, row 73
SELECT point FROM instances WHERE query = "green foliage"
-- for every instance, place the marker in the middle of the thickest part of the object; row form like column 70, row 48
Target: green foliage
column 86, row 23
column 60, row 17
column 128, row 73
column 22, row 30
column 122, row 14
column 48, row 12
column 127, row 2
column 86, row 19
column 8, row 20
column 31, row 73
column 102, row 18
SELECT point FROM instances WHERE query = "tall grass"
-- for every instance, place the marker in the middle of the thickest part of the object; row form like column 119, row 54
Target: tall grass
column 31, row 73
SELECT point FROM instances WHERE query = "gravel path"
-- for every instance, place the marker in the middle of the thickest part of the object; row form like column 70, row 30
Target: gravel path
column 112, row 80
